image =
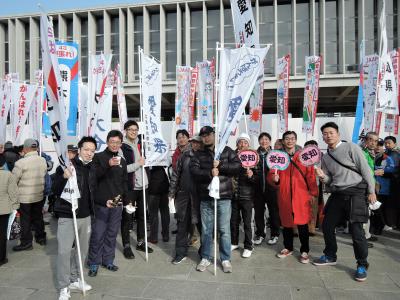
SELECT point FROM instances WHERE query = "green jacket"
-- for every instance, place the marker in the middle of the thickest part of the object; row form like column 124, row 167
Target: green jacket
column 371, row 161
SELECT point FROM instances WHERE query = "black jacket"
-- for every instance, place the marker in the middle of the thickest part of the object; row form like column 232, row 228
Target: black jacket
column 87, row 188
column 245, row 186
column 201, row 166
column 158, row 180
column 111, row 181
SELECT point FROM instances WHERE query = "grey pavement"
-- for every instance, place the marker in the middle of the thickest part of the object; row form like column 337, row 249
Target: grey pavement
column 31, row 274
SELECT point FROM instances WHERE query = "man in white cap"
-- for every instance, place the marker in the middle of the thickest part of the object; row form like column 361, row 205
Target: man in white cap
column 29, row 172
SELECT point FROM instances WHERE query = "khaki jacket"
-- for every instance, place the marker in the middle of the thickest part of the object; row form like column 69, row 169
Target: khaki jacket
column 29, row 173
column 8, row 192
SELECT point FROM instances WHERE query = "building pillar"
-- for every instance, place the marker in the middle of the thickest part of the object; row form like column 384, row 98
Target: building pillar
column 20, row 49
column 342, row 43
column 146, row 31
column 122, row 42
column 131, row 46
column 322, row 45
column 2, row 49
column 34, row 40
column 91, row 34
column 187, row 34
column 107, row 33
column 178, row 35
column 163, row 42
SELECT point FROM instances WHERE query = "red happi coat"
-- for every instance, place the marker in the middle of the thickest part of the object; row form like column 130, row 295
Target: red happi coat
column 294, row 194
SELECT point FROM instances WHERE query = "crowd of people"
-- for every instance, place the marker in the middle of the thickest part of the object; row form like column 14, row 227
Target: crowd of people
column 112, row 185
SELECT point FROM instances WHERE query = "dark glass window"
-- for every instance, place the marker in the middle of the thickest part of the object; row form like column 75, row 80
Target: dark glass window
column 351, row 36
column 84, row 49
column 171, row 42
column 99, row 35
column 266, row 33
column 138, row 41
column 303, row 36
column 196, row 36
column 284, row 29
column 331, row 39
column 229, row 35
column 213, row 32
column 114, row 41
column 155, row 35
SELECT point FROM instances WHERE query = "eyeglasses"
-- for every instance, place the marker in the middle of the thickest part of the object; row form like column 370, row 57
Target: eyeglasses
column 289, row 139
column 132, row 130
column 114, row 143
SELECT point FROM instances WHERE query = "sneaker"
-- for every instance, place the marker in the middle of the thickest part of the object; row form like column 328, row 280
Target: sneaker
column 64, row 294
column 324, row 261
column 372, row 239
column 77, row 285
column 284, row 253
column 246, row 253
column 128, row 254
column 258, row 240
column 387, row 228
column 273, row 240
column 304, row 258
column 22, row 247
column 142, row 247
column 178, row 259
column 93, row 270
column 234, row 247
column 111, row 267
column 226, row 266
column 202, row 266
column 361, row 274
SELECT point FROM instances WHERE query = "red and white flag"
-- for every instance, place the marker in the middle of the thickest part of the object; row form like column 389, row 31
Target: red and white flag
column 123, row 115
column 282, row 101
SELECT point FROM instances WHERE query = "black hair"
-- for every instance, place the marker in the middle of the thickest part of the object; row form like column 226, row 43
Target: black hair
column 264, row 134
column 287, row 133
column 129, row 123
column 2, row 160
column 114, row 133
column 182, row 131
column 330, row 125
column 390, row 137
column 311, row 142
column 87, row 139
column 381, row 142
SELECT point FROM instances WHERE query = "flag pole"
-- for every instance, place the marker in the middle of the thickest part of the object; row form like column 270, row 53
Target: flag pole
column 142, row 153
column 78, row 248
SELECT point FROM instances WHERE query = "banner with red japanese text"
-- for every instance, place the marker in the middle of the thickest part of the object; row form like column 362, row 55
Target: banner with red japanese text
column 282, row 102
column 53, row 84
column 99, row 67
column 313, row 64
column 5, row 102
column 205, row 95
column 35, row 113
column 103, row 125
column 22, row 96
column 121, row 101
column 182, row 95
column 391, row 121
column 370, row 73
column 192, row 98
column 156, row 148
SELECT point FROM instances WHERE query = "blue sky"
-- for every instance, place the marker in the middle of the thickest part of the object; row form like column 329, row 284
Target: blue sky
column 17, row 7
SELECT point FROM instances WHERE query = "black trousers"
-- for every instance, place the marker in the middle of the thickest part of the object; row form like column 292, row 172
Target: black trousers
column 3, row 236
column 32, row 218
column 184, row 228
column 158, row 203
column 137, row 197
column 303, row 236
column 270, row 198
column 242, row 209
column 334, row 213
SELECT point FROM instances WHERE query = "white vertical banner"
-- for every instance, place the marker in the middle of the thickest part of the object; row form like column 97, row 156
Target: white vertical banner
column 35, row 114
column 22, row 96
column 103, row 125
column 5, row 102
column 370, row 73
column 83, row 102
column 52, row 83
column 156, row 148
column 205, row 94
column 282, row 100
column 182, row 95
column 243, row 23
column 122, row 112
column 239, row 69
column 99, row 67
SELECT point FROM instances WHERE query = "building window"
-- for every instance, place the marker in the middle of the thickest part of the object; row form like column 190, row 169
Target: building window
column 302, row 35
column 99, row 35
column 84, row 49
column 229, row 35
column 138, row 41
column 114, row 41
column 6, row 50
column 284, row 29
column 155, row 35
column 213, row 32
column 351, row 36
column 371, row 27
column 391, row 24
column 27, row 52
column 171, row 48
column 266, row 33
column 331, row 46
column 70, row 30
column 196, row 36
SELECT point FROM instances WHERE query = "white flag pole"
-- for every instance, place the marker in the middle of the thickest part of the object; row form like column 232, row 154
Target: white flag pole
column 379, row 63
column 78, row 248
column 142, row 153
column 41, row 113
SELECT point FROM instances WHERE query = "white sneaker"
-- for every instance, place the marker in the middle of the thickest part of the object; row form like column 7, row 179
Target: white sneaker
column 234, row 247
column 64, row 294
column 258, row 240
column 273, row 240
column 77, row 285
column 202, row 266
column 247, row 253
column 226, row 266
column 387, row 228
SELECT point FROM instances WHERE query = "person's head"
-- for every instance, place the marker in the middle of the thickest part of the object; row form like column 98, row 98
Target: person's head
column 195, row 142
column 278, row 144
column 390, row 142
column 131, row 128
column 289, row 140
column 182, row 137
column 264, row 140
column 207, row 135
column 72, row 151
column 311, row 143
column 87, row 148
column 330, row 134
column 243, row 142
column 371, row 140
column 30, row 145
column 380, row 148
column 114, row 140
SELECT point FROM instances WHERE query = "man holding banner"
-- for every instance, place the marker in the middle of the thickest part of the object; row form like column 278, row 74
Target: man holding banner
column 204, row 168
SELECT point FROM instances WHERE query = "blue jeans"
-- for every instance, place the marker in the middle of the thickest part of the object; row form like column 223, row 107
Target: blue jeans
column 223, row 226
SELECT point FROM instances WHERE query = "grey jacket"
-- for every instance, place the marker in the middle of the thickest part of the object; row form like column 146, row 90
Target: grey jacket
column 8, row 192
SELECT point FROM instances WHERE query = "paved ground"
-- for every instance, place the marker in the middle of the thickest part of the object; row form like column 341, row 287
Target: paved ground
column 30, row 275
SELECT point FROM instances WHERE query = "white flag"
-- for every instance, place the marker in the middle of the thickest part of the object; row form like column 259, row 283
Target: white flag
column 103, row 125
column 82, row 108
column 155, row 145
column 71, row 192
column 243, row 22
column 122, row 113
column 5, row 102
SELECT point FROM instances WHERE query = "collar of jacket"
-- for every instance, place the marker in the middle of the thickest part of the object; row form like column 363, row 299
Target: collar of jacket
column 32, row 153
column 129, row 143
column 79, row 161
column 110, row 152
